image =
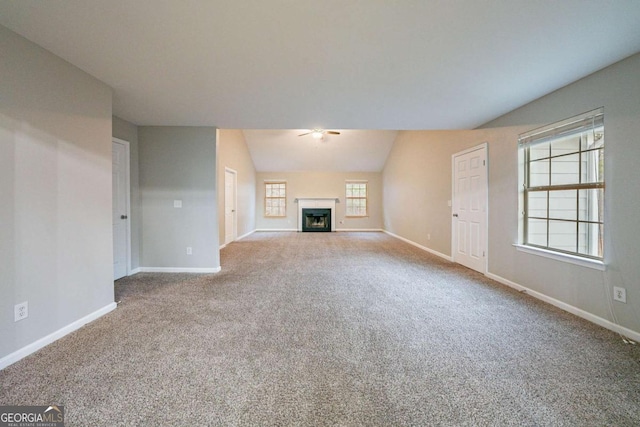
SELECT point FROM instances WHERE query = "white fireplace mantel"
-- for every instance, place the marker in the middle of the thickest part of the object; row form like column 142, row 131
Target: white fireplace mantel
column 320, row 203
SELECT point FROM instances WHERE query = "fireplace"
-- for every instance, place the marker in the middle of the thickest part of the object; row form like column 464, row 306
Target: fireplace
column 327, row 204
column 316, row 220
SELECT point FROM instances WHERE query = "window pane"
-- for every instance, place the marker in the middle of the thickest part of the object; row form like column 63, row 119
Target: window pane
column 537, row 203
column 590, row 239
column 563, row 204
column 591, row 205
column 537, row 229
column 566, row 145
column 563, row 235
column 539, row 151
column 565, row 170
column 593, row 166
column 539, row 173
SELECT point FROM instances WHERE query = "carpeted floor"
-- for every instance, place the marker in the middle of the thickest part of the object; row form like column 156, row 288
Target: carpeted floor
column 347, row 329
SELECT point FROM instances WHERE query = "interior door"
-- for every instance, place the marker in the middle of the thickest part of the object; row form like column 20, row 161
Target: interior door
column 229, row 206
column 120, row 209
column 470, row 208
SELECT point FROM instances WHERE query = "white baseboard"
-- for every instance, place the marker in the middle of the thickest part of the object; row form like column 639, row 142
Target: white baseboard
column 360, row 229
column 276, row 229
column 135, row 271
column 54, row 336
column 246, row 235
column 569, row 308
column 417, row 245
column 238, row 238
column 179, row 270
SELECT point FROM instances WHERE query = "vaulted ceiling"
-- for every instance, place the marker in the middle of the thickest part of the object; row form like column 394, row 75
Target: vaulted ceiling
column 345, row 64
column 351, row 151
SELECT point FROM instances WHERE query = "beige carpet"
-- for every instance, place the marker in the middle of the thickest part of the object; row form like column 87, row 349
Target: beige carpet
column 344, row 329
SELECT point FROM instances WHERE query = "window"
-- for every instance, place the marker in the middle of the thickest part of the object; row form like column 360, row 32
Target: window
column 275, row 199
column 562, row 198
column 356, row 198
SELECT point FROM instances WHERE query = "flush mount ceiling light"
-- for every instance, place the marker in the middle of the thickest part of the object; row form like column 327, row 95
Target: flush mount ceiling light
column 320, row 133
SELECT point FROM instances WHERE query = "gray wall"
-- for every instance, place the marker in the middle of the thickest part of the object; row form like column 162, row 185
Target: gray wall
column 417, row 185
column 417, row 176
column 234, row 153
column 320, row 184
column 178, row 163
column 55, row 186
column 127, row 131
column 617, row 88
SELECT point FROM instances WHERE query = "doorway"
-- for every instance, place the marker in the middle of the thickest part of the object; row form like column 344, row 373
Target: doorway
column 469, row 207
column 230, row 214
column 121, row 209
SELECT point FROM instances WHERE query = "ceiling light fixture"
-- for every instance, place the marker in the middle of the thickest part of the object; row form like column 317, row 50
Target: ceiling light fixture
column 320, row 133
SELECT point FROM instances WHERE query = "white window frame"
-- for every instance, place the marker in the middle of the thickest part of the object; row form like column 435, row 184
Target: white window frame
column 267, row 198
column 349, row 214
column 590, row 122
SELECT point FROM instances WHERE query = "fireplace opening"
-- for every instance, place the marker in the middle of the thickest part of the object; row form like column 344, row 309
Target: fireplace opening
column 316, row 220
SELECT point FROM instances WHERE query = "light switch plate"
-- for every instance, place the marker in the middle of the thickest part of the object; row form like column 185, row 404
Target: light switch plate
column 177, row 203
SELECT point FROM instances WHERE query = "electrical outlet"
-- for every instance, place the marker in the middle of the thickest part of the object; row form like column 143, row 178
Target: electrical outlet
column 189, row 250
column 177, row 203
column 429, row 236
column 620, row 294
column 21, row 311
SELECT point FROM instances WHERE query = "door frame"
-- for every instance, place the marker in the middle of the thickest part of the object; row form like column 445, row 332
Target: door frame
column 484, row 146
column 127, row 162
column 235, row 204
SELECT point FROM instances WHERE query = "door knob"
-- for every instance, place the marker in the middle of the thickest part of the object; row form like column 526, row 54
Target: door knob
column 123, row 217
column 455, row 215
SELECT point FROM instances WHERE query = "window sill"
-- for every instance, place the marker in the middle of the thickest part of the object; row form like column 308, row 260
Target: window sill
column 572, row 259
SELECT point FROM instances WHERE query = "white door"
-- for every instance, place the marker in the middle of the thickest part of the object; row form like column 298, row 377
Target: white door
column 229, row 206
column 120, row 210
column 469, row 205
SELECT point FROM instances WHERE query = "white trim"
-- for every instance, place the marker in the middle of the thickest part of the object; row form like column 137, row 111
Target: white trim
column 276, row 229
column 178, row 270
column 569, row 308
column 417, row 245
column 127, row 146
column 239, row 238
column 235, row 205
column 484, row 146
column 54, row 336
column 360, row 229
column 559, row 256
column 246, row 235
column 135, row 271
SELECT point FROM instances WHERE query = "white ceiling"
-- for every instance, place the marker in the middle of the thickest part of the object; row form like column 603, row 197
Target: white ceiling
column 349, row 64
column 332, row 64
column 351, row 151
